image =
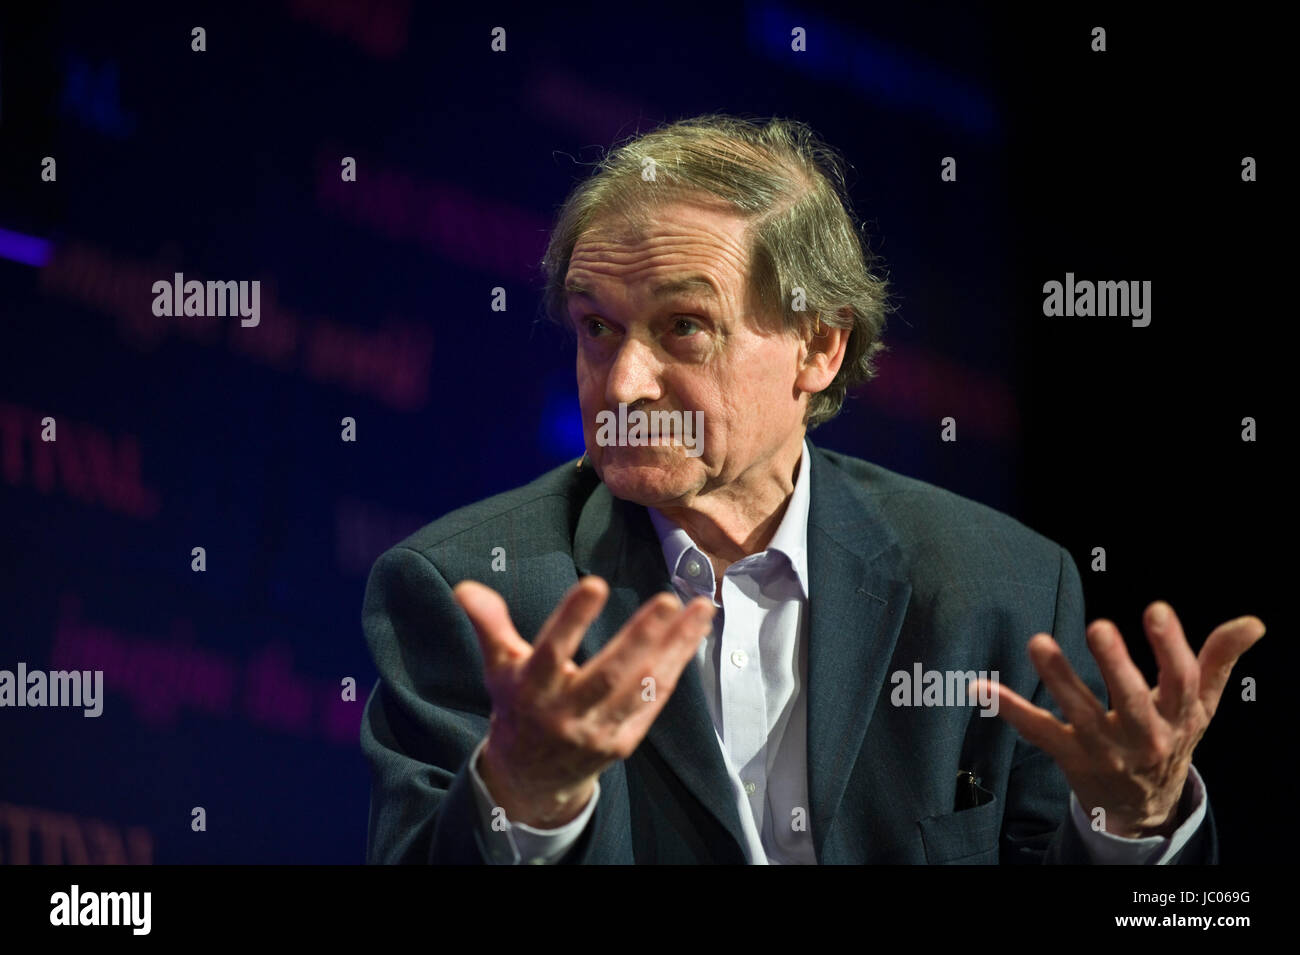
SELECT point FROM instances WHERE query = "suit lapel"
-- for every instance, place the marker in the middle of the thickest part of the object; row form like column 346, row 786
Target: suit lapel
column 615, row 540
column 858, row 597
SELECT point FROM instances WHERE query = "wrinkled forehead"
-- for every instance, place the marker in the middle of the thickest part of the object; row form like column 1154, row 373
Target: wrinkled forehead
column 663, row 238
column 633, row 222
column 688, row 254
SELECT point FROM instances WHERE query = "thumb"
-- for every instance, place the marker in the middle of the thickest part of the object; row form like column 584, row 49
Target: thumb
column 487, row 611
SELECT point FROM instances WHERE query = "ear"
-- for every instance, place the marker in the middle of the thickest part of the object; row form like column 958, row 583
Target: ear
column 824, row 348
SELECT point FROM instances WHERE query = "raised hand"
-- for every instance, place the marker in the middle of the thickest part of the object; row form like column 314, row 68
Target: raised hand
column 1131, row 761
column 556, row 726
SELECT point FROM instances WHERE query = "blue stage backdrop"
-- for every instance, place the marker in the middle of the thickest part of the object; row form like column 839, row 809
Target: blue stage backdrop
column 200, row 530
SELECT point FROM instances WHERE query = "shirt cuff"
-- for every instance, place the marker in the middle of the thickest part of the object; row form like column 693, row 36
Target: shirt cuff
column 1107, row 849
column 507, row 843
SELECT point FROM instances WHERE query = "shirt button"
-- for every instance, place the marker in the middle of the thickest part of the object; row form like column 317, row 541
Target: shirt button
column 749, row 789
column 693, row 567
column 739, row 657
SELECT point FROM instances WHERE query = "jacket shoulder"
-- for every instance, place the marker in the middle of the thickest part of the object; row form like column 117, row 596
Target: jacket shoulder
column 544, row 511
column 945, row 532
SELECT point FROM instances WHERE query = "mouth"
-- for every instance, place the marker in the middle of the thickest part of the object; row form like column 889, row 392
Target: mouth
column 657, row 445
column 658, row 429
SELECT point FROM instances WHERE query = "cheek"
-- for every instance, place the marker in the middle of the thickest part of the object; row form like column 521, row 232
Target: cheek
column 725, row 409
column 756, row 392
column 590, row 382
column 752, row 382
column 772, row 372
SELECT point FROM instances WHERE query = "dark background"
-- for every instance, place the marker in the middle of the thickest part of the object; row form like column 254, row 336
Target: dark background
column 222, row 688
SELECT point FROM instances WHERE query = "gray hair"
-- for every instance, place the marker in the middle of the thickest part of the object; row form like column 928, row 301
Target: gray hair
column 789, row 185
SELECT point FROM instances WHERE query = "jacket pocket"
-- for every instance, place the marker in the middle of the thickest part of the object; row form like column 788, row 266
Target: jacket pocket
column 966, row 837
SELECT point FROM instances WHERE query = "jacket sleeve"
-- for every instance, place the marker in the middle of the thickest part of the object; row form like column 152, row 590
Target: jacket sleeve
column 424, row 719
column 426, row 714
column 1037, row 826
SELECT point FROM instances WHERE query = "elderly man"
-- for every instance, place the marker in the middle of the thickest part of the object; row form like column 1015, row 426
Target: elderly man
column 705, row 654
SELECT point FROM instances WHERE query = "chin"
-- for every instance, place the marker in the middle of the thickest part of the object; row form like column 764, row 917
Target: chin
column 644, row 480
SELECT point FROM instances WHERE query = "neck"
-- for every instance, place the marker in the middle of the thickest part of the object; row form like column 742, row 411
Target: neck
column 740, row 518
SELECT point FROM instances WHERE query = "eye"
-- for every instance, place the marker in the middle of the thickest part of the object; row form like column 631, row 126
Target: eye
column 594, row 327
column 684, row 326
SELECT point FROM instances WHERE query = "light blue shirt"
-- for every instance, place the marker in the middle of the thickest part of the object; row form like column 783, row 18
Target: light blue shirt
column 754, row 666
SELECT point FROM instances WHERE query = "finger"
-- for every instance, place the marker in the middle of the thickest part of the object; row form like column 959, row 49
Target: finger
column 1130, row 696
column 692, row 625
column 1222, row 649
column 680, row 644
column 1180, row 675
column 1037, row 725
column 1080, row 707
column 564, row 630
column 604, row 674
column 487, row 611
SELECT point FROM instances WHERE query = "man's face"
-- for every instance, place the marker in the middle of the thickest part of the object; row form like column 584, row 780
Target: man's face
column 665, row 323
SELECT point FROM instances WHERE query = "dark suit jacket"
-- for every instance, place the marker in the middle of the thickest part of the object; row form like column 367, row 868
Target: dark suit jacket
column 900, row 572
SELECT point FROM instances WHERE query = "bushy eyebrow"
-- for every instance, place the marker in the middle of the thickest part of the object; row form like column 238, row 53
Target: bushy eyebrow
column 701, row 285
column 572, row 289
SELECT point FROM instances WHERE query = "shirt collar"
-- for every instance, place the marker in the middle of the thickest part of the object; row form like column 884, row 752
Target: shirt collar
column 790, row 539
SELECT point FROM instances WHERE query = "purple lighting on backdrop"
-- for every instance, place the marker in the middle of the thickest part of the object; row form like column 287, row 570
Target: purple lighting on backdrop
column 26, row 249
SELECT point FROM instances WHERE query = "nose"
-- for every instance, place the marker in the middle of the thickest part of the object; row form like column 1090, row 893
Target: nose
column 634, row 375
